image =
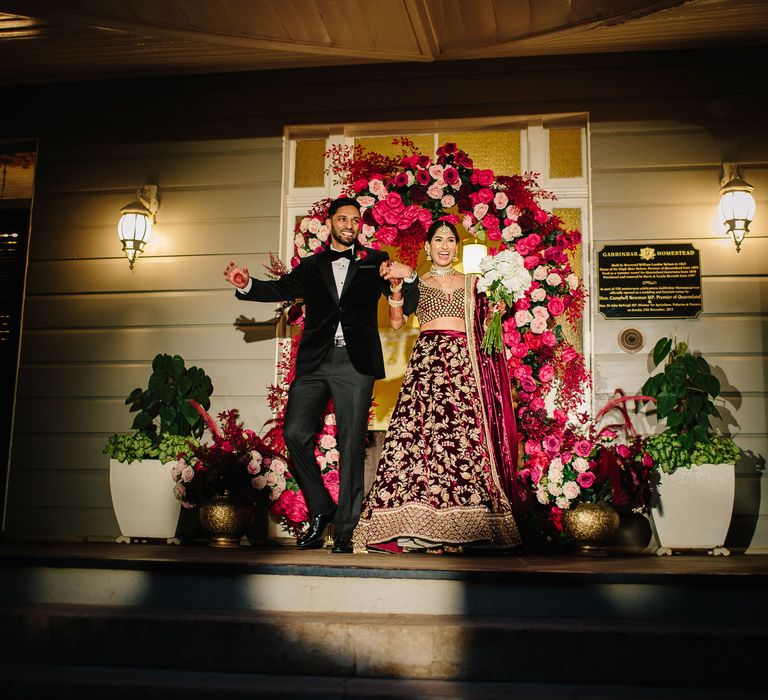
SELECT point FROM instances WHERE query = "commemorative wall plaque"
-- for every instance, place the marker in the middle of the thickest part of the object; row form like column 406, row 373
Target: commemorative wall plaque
column 649, row 281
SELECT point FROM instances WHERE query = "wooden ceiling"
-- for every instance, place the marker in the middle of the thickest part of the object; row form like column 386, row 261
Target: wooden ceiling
column 46, row 41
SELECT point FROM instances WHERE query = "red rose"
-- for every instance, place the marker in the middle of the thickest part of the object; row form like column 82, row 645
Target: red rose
column 555, row 306
column 450, row 176
column 423, row 177
column 401, row 180
column 360, row 185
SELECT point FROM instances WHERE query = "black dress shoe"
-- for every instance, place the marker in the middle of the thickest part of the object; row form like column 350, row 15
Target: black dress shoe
column 342, row 545
column 313, row 537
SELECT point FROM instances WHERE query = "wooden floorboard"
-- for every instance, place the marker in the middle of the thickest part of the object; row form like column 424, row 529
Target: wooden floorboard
column 276, row 559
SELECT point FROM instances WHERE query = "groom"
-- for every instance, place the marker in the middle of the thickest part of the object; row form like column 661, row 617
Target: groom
column 339, row 356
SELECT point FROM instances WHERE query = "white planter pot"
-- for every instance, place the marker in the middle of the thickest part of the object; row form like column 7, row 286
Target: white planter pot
column 695, row 508
column 143, row 500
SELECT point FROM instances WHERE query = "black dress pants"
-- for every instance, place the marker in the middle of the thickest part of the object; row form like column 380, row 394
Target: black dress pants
column 308, row 395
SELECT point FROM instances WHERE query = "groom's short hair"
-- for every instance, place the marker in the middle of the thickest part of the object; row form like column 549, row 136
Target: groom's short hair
column 340, row 202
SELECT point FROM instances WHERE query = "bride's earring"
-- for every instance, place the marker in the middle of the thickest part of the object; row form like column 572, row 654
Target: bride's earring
column 429, row 257
column 455, row 257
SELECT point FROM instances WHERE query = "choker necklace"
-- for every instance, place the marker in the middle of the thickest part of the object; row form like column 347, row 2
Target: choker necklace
column 436, row 271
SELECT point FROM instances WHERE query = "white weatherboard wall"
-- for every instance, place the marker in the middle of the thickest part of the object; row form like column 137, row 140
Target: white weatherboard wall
column 92, row 326
column 658, row 182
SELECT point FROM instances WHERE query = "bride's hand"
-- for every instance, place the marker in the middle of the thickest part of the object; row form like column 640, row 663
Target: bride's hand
column 395, row 271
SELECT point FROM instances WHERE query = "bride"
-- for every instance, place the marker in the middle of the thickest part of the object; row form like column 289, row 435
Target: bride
column 437, row 486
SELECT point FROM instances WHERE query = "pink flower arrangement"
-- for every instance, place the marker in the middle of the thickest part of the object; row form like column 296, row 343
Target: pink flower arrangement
column 400, row 197
column 232, row 461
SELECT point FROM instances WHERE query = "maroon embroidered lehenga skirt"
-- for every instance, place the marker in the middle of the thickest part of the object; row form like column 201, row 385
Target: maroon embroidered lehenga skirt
column 436, row 483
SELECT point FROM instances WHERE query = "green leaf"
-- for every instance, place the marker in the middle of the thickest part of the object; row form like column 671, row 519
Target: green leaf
column 665, row 404
column 661, row 350
column 711, row 385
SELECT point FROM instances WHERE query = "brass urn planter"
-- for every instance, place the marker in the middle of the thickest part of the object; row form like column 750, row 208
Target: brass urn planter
column 225, row 520
column 590, row 526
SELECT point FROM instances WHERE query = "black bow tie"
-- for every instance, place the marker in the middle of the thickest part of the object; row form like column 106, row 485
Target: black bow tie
column 336, row 254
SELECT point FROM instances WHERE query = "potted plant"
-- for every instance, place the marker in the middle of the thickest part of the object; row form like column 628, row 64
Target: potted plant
column 696, row 464
column 165, row 427
column 223, row 477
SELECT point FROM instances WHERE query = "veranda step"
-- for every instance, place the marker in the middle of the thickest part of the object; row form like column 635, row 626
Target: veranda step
column 426, row 647
column 37, row 681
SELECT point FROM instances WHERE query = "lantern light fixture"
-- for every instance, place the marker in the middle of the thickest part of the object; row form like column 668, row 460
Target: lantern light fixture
column 472, row 252
column 737, row 205
column 136, row 221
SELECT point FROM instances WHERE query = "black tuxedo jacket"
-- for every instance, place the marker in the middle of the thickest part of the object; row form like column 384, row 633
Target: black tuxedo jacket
column 356, row 309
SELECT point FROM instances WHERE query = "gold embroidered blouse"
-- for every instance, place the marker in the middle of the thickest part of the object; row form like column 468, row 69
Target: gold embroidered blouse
column 434, row 303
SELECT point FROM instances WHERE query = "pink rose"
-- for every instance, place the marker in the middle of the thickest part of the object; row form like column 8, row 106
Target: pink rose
column 546, row 372
column 528, row 384
column 386, row 235
column 582, row 448
column 394, row 201
column 485, row 196
column 500, row 200
column 623, row 451
column 549, row 339
column 447, row 201
column 538, row 325
column 484, row 177
column 585, row 479
column 537, row 404
column 540, row 216
column 531, row 261
column 360, row 185
column 551, row 444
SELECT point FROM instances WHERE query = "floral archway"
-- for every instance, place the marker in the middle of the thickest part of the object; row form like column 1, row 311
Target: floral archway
column 560, row 461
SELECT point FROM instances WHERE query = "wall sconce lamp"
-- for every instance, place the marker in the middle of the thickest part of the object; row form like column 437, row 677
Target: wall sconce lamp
column 136, row 221
column 737, row 205
column 472, row 252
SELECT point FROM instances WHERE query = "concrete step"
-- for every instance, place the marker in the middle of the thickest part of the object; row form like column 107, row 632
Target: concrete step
column 365, row 645
column 33, row 681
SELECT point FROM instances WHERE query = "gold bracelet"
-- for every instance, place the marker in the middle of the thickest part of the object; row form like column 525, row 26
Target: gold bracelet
column 394, row 302
column 396, row 289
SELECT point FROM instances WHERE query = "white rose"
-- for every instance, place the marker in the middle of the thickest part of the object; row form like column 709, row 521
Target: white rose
column 572, row 280
column 540, row 273
column 522, row 317
column 541, row 312
column 376, row 187
column 538, row 325
column 187, row 474
column 258, row 482
column 480, row 210
column 562, row 502
column 365, row 201
column 538, row 294
column 553, row 279
column 304, row 224
column 435, row 191
column 314, row 243
column 580, row 465
column 571, row 489
column 447, row 201
column 436, row 171
column 513, row 212
column 323, row 233
column 314, row 225
column 510, row 232
column 541, row 495
column 554, row 488
column 500, row 200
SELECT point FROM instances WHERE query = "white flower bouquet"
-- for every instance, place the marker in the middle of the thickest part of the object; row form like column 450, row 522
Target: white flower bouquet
column 504, row 280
